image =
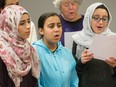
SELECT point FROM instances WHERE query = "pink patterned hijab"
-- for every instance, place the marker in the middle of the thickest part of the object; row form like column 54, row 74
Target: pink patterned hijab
column 17, row 54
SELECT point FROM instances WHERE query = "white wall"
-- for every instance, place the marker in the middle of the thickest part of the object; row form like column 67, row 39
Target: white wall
column 38, row 7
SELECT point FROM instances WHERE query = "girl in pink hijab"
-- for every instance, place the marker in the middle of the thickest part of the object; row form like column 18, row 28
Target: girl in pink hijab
column 19, row 64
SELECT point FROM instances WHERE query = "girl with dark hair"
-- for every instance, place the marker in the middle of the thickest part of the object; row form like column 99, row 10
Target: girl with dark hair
column 57, row 62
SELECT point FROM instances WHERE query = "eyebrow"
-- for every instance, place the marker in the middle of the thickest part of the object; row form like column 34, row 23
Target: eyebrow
column 24, row 20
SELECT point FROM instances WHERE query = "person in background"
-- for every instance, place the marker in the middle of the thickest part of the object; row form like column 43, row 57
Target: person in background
column 57, row 62
column 93, row 72
column 19, row 64
column 71, row 19
column 33, row 33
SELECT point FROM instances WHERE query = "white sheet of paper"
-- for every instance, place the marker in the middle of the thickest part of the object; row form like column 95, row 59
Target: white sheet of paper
column 68, row 39
column 103, row 47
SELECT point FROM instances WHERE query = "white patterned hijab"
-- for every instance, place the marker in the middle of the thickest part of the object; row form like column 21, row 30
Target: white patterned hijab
column 17, row 54
column 85, row 36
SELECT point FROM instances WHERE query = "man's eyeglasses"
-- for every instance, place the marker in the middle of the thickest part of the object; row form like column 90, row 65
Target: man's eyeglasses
column 97, row 19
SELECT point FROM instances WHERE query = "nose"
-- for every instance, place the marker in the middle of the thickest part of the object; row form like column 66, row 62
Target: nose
column 100, row 21
column 56, row 29
column 70, row 6
column 28, row 25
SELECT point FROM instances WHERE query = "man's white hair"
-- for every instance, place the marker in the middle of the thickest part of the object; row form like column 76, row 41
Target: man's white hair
column 58, row 2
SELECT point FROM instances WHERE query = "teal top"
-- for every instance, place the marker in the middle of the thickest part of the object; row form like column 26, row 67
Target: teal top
column 57, row 68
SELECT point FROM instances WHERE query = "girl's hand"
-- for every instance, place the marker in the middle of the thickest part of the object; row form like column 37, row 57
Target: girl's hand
column 86, row 56
column 111, row 61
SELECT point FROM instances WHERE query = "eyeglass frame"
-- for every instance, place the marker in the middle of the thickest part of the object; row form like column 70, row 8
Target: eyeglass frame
column 98, row 19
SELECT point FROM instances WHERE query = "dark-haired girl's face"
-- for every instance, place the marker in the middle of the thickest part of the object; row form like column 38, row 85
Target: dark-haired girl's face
column 52, row 30
column 99, row 20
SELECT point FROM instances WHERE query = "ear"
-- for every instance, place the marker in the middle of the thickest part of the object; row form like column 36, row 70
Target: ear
column 41, row 31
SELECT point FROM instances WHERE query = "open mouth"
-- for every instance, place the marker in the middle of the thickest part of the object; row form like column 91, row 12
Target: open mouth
column 57, row 35
column 98, row 27
column 71, row 13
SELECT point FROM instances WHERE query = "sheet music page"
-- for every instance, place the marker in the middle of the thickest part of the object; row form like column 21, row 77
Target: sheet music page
column 68, row 39
column 103, row 47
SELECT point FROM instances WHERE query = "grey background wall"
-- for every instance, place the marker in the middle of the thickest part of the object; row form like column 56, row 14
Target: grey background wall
column 38, row 7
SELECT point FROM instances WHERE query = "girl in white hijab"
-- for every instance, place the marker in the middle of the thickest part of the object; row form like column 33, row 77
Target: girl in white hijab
column 93, row 72
column 19, row 64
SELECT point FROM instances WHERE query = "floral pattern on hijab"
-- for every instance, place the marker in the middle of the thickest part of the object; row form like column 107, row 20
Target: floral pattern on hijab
column 17, row 54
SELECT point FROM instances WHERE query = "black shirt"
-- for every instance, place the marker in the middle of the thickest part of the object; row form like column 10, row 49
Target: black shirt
column 5, row 81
